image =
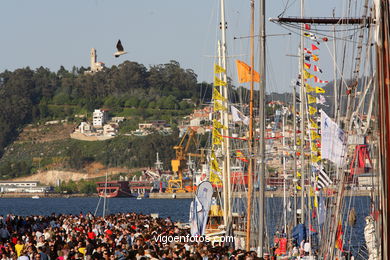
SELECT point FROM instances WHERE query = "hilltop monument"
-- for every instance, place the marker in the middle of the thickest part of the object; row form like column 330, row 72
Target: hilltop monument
column 95, row 66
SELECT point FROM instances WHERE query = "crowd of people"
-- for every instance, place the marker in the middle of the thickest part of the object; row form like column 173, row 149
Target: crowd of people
column 119, row 236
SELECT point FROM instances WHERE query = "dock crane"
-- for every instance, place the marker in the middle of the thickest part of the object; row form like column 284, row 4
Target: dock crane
column 179, row 163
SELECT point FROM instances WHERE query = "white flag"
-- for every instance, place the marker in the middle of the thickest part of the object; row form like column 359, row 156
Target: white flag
column 332, row 140
column 321, row 100
column 238, row 116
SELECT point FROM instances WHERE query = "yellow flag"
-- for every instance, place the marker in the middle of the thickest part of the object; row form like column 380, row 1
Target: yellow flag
column 299, row 187
column 217, row 95
column 309, row 88
column 315, row 57
column 312, row 110
column 299, row 174
column 314, row 135
column 313, row 124
column 315, row 201
column 315, row 159
column 311, row 99
column 214, row 178
column 307, row 75
column 218, row 125
column 217, row 138
column 314, row 148
column 215, row 166
column 218, row 106
column 219, row 82
column 298, row 141
column 320, row 90
column 218, row 69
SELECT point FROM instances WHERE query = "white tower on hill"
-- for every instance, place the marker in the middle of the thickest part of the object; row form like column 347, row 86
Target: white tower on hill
column 95, row 66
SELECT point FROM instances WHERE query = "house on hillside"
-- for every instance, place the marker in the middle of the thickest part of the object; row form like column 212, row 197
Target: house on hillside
column 158, row 126
column 99, row 117
column 84, row 128
column 110, row 130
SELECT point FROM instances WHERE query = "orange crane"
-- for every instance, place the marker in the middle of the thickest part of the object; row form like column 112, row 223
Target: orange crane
column 180, row 162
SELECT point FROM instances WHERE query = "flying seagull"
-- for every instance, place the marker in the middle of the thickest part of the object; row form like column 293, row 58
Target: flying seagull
column 120, row 51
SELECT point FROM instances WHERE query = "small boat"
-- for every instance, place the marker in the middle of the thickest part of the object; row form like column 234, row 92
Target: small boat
column 35, row 197
column 139, row 197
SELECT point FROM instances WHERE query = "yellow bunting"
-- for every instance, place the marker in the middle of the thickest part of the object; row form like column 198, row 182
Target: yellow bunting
column 219, row 82
column 214, row 178
column 312, row 110
column 314, row 135
column 218, row 106
column 307, row 75
column 320, row 90
column 218, row 125
column 215, row 166
column 315, row 159
column 217, row 95
column 309, row 88
column 314, row 148
column 217, row 138
column 313, row 124
column 311, row 99
column 218, row 69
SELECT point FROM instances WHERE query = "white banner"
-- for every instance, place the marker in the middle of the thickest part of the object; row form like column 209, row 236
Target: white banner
column 332, row 140
column 238, row 116
column 204, row 194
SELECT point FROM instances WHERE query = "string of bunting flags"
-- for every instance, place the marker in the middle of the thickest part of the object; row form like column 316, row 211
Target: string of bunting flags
column 216, row 139
column 314, row 97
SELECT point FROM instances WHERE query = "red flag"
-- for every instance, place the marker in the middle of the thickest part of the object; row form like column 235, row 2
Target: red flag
column 313, row 47
column 339, row 237
column 313, row 215
column 316, row 68
column 240, row 156
column 325, row 39
column 317, row 80
column 307, row 51
column 307, row 26
column 312, row 229
column 307, row 65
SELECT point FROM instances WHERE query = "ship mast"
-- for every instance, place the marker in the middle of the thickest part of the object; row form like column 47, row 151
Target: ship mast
column 302, row 125
column 225, row 122
column 250, row 140
column 262, row 59
column 383, row 78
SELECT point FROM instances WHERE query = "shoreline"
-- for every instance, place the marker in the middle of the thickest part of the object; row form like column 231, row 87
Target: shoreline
column 189, row 195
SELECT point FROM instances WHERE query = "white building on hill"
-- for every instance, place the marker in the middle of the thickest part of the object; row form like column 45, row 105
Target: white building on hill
column 95, row 65
column 100, row 117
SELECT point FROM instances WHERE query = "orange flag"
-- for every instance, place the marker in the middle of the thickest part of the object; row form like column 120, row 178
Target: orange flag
column 244, row 73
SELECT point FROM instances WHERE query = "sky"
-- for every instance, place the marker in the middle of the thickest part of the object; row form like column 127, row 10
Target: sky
column 51, row 33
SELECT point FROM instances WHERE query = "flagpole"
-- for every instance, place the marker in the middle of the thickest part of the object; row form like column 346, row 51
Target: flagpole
column 250, row 139
column 302, row 125
column 284, row 173
column 262, row 87
column 295, row 150
column 336, row 107
column 225, row 122
column 224, row 190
